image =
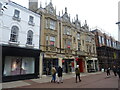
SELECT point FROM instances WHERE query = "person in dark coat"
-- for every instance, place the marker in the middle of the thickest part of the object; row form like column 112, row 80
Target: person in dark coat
column 108, row 72
column 118, row 71
column 115, row 70
column 60, row 75
column 77, row 72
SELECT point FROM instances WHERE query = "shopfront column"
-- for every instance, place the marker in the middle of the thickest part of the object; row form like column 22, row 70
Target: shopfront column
column 40, row 65
column 60, row 62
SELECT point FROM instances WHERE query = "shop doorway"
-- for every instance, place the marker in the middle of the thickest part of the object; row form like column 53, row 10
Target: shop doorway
column 48, row 63
column 68, row 65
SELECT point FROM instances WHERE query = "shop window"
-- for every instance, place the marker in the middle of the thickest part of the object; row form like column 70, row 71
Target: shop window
column 29, row 37
column 18, row 65
column 14, row 34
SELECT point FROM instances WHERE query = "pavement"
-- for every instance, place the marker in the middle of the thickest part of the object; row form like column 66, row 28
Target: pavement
column 44, row 79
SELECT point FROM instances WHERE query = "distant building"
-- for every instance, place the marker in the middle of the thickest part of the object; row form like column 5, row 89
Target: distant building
column 19, row 38
column 108, row 51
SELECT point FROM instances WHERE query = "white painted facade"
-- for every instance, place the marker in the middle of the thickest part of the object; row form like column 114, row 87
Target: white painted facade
column 7, row 21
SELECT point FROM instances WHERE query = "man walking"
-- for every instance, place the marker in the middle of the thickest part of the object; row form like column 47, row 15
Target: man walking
column 77, row 71
column 115, row 70
column 60, row 75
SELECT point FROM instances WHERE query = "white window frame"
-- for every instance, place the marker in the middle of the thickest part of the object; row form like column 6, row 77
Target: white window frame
column 14, row 33
column 30, row 37
column 16, row 13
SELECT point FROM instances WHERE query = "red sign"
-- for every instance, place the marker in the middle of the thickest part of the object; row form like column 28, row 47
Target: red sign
column 68, row 46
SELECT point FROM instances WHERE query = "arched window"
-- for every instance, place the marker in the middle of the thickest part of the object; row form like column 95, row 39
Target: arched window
column 29, row 37
column 14, row 34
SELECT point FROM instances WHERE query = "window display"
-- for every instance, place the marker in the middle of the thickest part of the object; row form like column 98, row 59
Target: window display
column 18, row 65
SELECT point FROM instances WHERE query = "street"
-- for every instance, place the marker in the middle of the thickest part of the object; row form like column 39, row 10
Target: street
column 90, row 81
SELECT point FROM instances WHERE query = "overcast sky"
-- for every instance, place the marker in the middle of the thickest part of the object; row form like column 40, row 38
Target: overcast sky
column 100, row 13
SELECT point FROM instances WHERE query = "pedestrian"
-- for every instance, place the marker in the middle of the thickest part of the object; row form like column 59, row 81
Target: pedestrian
column 118, row 71
column 53, row 72
column 108, row 72
column 115, row 70
column 60, row 80
column 77, row 72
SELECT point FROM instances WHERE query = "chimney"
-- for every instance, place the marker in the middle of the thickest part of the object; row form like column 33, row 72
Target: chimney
column 33, row 5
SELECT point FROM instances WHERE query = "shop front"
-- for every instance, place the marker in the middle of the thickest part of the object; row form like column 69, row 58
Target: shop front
column 92, row 65
column 19, row 63
column 48, row 63
column 80, row 61
column 68, row 65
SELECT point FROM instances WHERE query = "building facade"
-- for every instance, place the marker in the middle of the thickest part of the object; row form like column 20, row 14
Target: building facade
column 19, row 38
column 107, row 49
column 65, row 43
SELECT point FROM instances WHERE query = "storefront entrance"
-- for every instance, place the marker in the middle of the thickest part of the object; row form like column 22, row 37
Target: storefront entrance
column 48, row 63
column 81, row 64
column 68, row 65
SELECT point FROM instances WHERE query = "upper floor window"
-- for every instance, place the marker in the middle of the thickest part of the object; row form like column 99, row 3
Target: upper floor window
column 31, row 18
column 79, row 46
column 16, row 13
column 68, row 44
column 29, row 37
column 52, row 24
column 107, row 42
column 99, row 39
column 103, row 40
column 52, row 41
column 67, row 30
column 14, row 34
column 110, row 43
column 0, row 6
column 46, row 21
column 78, row 36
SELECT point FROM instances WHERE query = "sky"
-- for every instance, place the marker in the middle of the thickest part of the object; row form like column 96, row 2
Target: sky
column 102, row 14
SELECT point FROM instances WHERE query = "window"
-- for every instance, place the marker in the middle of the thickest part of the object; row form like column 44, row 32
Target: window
column 107, row 42
column 99, row 39
column 83, row 42
column 19, row 65
column 29, row 37
column 51, row 10
column 68, row 44
column 46, row 23
column 31, row 18
column 78, row 36
column 52, row 41
column 16, row 13
column 110, row 43
column 14, row 34
column 103, row 40
column 67, row 30
column 46, row 40
column 79, row 46
column 52, row 25
column 0, row 6
column 74, row 39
